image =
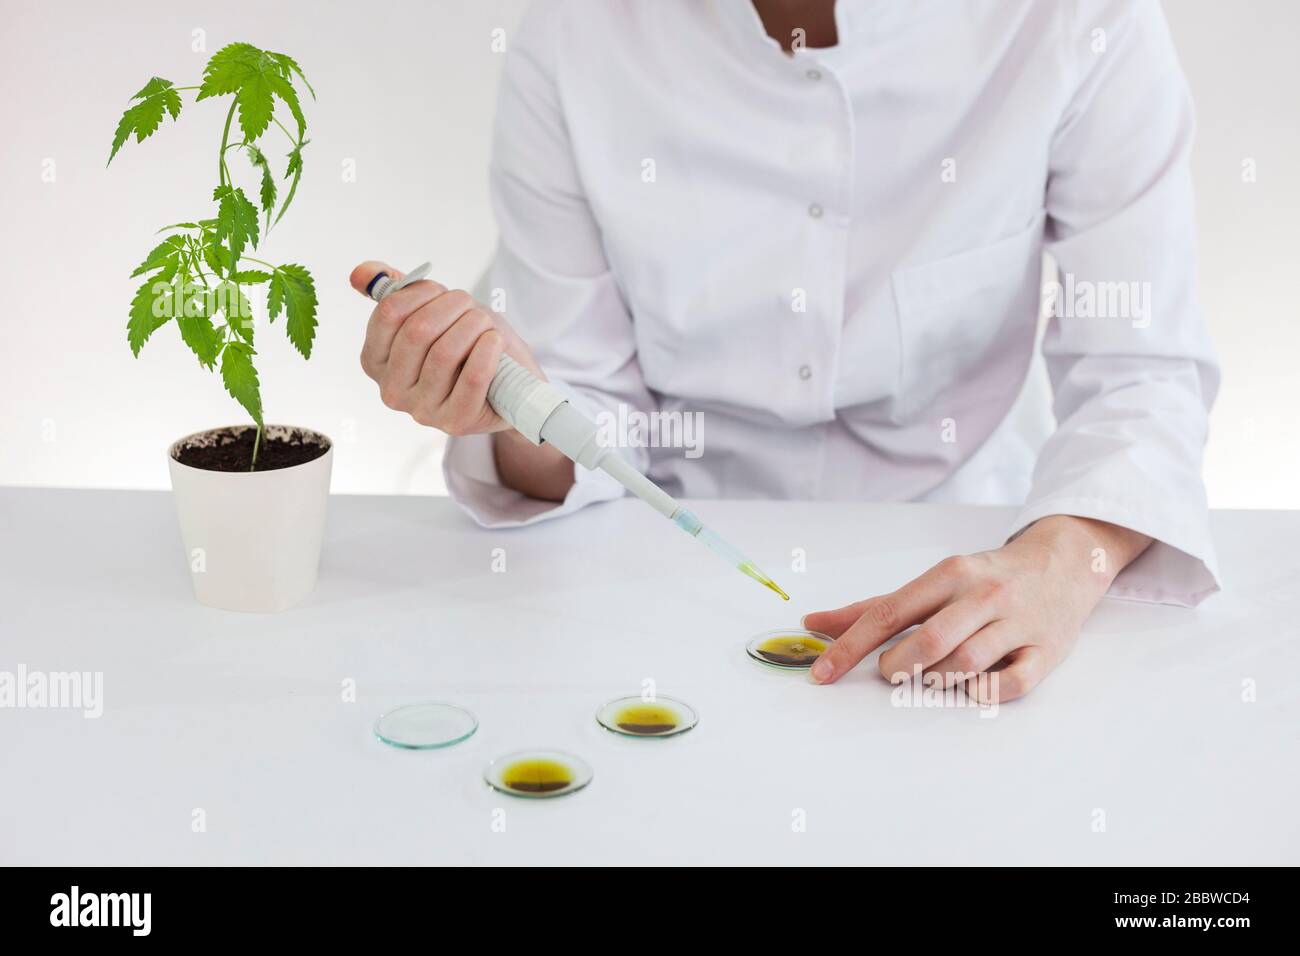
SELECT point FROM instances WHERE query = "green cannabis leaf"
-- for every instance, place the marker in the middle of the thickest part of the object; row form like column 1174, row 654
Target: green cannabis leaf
column 240, row 378
column 197, row 274
column 236, row 221
column 146, row 315
column 293, row 168
column 234, row 305
column 256, row 77
column 195, row 322
column 268, row 182
column 191, row 307
column 156, row 97
column 292, row 287
column 165, row 253
column 289, row 68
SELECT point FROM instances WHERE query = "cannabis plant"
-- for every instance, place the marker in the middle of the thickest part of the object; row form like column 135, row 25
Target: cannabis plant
column 199, row 275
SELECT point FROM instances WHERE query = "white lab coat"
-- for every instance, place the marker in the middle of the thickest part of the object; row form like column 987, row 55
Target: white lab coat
column 833, row 258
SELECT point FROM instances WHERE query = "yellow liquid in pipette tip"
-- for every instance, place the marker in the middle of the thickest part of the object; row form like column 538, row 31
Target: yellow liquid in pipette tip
column 692, row 525
column 751, row 569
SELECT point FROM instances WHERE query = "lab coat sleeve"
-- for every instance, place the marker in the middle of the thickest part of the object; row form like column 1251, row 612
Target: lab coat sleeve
column 1131, row 393
column 550, row 280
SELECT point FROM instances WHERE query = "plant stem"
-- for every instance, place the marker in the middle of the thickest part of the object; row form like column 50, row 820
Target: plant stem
column 257, row 442
column 259, row 262
column 225, row 137
column 293, row 139
column 198, row 266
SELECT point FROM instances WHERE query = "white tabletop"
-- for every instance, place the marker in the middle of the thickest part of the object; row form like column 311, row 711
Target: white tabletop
column 1145, row 729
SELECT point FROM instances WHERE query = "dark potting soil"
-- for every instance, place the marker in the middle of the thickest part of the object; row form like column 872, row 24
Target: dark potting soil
column 231, row 449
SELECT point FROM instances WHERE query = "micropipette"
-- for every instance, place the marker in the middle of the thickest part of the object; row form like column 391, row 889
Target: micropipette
column 541, row 413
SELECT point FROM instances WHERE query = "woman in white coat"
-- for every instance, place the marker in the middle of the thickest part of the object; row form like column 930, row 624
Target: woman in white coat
column 819, row 226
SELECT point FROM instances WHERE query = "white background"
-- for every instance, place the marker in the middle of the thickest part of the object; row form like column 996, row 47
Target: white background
column 406, row 94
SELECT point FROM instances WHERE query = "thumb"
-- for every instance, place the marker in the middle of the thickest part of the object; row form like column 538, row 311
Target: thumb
column 364, row 275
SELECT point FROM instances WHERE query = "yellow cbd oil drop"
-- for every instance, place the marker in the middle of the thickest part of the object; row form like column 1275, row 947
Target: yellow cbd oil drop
column 537, row 776
column 538, row 773
column 640, row 717
column 646, row 719
column 788, row 649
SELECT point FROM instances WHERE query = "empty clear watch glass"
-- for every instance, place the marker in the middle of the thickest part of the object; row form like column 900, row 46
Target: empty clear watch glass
column 427, row 725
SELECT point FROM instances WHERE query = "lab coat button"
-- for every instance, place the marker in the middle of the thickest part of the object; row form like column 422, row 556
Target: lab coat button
column 815, row 211
column 805, row 372
column 814, row 75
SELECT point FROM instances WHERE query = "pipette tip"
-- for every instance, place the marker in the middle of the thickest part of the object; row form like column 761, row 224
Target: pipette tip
column 693, row 526
column 777, row 588
column 750, row 568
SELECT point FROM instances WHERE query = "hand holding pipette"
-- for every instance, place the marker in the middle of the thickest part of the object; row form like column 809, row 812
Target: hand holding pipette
column 538, row 411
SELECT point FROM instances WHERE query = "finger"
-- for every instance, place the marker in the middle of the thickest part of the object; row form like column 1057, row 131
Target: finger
column 935, row 639
column 415, row 340
column 363, row 276
column 979, row 652
column 835, row 622
column 466, row 408
column 883, row 617
column 375, row 349
column 1026, row 667
column 449, row 352
column 386, row 323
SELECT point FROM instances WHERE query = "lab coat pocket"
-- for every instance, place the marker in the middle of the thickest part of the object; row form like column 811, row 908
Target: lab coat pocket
column 967, row 325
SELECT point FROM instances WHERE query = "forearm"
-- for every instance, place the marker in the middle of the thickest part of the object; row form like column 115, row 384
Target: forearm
column 538, row 471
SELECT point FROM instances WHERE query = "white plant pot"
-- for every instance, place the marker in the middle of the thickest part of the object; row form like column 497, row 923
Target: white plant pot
column 252, row 539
